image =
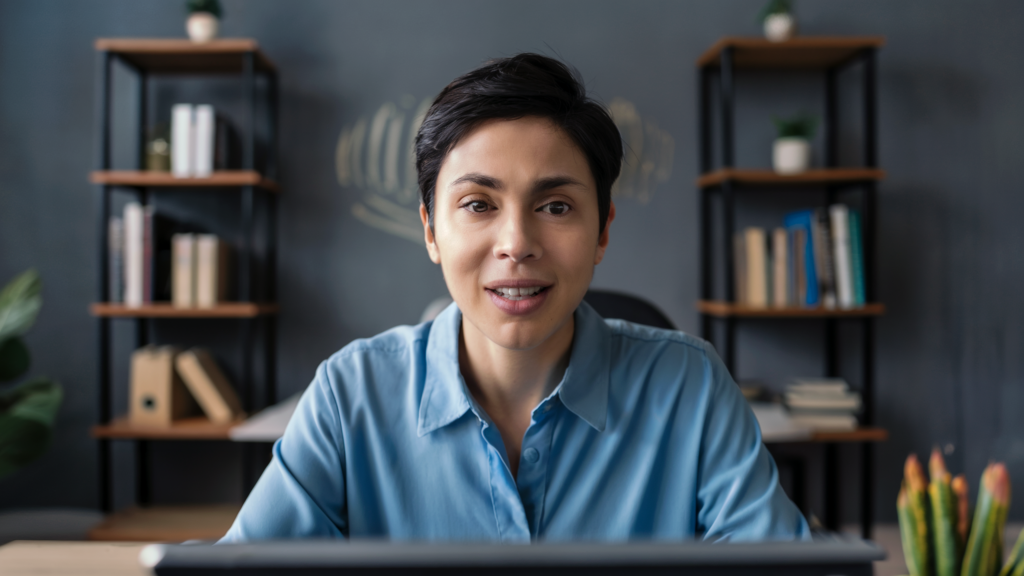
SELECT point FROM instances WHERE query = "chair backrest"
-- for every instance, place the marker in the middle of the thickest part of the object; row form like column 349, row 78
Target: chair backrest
column 628, row 308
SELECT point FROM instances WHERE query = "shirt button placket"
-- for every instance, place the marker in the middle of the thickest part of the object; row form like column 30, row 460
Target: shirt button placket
column 533, row 469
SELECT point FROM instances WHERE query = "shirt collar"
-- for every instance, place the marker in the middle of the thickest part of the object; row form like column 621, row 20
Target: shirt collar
column 583, row 390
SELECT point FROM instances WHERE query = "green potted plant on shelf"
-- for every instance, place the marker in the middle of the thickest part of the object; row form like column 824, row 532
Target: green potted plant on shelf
column 27, row 410
column 203, row 20
column 778, row 21
column 791, row 153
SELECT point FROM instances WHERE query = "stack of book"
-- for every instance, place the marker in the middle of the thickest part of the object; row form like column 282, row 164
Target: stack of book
column 168, row 384
column 150, row 260
column 823, row 404
column 201, row 141
column 817, row 259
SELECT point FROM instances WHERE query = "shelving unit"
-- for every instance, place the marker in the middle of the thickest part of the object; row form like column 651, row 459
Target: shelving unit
column 255, row 310
column 726, row 182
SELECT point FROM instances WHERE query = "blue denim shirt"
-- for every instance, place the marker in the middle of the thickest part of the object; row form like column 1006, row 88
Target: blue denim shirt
column 646, row 437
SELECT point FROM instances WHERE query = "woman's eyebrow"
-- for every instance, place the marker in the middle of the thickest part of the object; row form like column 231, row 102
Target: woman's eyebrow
column 479, row 180
column 551, row 182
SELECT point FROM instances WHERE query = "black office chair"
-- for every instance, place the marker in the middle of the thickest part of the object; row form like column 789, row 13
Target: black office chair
column 628, row 308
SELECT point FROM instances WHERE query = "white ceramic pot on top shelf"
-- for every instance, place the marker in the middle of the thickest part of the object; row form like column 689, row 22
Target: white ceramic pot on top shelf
column 202, row 27
column 791, row 155
column 779, row 27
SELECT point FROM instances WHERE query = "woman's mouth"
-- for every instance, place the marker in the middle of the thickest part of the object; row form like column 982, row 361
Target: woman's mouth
column 517, row 294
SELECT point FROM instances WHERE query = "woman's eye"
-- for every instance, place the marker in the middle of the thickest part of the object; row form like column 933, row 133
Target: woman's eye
column 476, row 206
column 555, row 208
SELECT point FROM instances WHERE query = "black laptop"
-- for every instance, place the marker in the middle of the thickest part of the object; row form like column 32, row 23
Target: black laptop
column 832, row 556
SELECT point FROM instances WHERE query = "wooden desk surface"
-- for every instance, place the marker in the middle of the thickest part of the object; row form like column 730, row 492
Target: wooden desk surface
column 38, row 558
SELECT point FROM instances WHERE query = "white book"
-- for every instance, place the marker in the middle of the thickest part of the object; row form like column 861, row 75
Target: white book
column 183, row 270
column 134, row 254
column 182, row 145
column 203, row 138
column 211, row 270
column 840, row 216
column 850, row 402
column 757, row 267
column 819, row 386
column 837, row 422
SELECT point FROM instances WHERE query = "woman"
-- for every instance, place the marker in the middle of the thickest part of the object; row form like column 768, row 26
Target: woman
column 519, row 413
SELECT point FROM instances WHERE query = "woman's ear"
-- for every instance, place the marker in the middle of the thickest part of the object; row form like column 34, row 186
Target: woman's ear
column 428, row 236
column 602, row 240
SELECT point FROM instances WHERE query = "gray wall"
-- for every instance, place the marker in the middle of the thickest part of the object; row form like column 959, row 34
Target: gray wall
column 951, row 137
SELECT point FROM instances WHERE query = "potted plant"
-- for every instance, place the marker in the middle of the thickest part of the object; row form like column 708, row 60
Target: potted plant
column 791, row 153
column 778, row 21
column 203, row 20
column 27, row 410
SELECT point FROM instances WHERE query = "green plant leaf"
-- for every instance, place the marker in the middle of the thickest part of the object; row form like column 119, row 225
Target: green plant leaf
column 21, row 442
column 37, row 399
column 14, row 359
column 20, row 302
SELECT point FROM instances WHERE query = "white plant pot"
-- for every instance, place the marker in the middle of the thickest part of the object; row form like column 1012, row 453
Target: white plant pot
column 202, row 27
column 791, row 155
column 779, row 27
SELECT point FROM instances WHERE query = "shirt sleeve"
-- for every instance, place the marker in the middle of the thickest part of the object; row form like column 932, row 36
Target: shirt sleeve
column 302, row 491
column 739, row 497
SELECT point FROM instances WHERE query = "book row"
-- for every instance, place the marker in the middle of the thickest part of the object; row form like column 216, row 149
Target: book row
column 152, row 258
column 201, row 141
column 816, row 259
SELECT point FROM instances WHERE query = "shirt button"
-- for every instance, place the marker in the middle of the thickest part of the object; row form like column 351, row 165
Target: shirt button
column 531, row 455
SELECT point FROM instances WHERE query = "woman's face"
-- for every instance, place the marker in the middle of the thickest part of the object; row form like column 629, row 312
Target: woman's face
column 516, row 229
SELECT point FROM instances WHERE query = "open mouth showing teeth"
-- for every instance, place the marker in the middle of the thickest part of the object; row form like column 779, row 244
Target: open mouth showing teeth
column 515, row 294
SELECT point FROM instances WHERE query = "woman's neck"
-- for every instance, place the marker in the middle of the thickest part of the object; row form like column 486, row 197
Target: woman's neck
column 508, row 384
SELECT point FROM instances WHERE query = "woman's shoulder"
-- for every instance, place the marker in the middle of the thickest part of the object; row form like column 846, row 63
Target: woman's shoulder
column 640, row 338
column 390, row 354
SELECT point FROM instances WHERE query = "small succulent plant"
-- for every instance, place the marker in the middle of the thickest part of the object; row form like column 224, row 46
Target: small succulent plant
column 775, row 7
column 210, row 6
column 800, row 126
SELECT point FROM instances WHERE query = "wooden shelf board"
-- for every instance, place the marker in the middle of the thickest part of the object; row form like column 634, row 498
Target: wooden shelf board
column 166, row 310
column 220, row 178
column 166, row 523
column 761, row 177
column 198, row 428
column 858, row 435
column 728, row 309
column 806, row 52
column 180, row 55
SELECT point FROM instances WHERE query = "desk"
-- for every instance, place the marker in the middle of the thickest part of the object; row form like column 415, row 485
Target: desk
column 35, row 558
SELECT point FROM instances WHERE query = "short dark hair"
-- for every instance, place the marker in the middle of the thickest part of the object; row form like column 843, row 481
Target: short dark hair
column 511, row 88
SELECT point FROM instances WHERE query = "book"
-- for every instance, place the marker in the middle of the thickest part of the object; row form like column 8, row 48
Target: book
column 183, row 289
column 823, row 386
column 756, row 258
column 209, row 386
column 211, row 270
column 182, row 145
column 157, row 394
column 781, row 268
column 799, row 266
column 740, row 268
column 133, row 254
column 839, row 217
column 156, row 249
column 829, row 422
column 848, row 402
column 857, row 259
column 204, row 127
column 115, row 259
column 821, row 228
column 800, row 221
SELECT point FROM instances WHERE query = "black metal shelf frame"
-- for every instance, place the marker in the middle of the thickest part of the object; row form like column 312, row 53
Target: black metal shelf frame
column 249, row 199
column 724, row 74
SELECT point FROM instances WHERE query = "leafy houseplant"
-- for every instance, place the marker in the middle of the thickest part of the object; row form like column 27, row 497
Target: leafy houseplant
column 27, row 410
column 203, row 21
column 791, row 153
column 778, row 21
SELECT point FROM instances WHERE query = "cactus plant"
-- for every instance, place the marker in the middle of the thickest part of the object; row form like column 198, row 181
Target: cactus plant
column 912, row 505
column 945, row 539
column 983, row 554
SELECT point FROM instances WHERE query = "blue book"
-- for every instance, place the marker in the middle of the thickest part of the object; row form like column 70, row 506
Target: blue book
column 801, row 220
column 857, row 259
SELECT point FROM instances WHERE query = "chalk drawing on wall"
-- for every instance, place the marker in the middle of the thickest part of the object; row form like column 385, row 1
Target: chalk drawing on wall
column 375, row 158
